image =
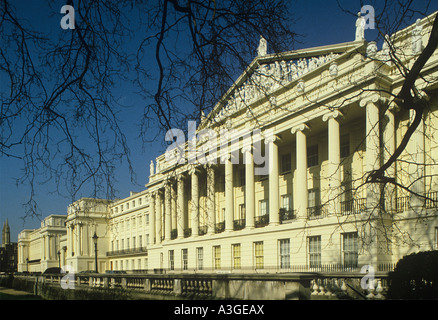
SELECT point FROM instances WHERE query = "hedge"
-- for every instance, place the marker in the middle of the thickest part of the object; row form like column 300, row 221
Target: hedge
column 415, row 277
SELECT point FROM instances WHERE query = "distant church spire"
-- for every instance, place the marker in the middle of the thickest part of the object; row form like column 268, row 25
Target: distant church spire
column 6, row 233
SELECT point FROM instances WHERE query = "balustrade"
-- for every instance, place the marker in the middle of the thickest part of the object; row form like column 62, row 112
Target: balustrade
column 162, row 285
column 197, row 287
column 342, row 287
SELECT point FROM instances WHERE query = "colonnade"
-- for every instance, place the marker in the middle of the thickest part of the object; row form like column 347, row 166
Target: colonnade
column 161, row 203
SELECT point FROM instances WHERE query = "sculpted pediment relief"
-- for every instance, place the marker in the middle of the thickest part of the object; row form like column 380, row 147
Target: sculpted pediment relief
column 266, row 75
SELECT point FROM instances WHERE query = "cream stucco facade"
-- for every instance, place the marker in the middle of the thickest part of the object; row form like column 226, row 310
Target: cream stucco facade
column 285, row 189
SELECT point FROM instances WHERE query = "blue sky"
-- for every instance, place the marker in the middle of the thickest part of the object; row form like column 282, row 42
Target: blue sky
column 319, row 22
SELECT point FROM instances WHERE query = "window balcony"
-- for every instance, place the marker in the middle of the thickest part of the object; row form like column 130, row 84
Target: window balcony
column 123, row 252
column 187, row 232
column 431, row 200
column 353, row 206
column 220, row 227
column 239, row 224
column 287, row 215
column 203, row 230
column 261, row 221
column 316, row 212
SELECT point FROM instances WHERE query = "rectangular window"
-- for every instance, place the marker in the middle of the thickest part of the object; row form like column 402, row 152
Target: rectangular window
column 140, row 241
column 345, row 145
column 286, row 202
column 286, row 163
column 222, row 217
column 264, row 207
column 242, row 211
column 258, row 255
column 242, row 177
column 284, row 253
column 350, row 249
column 200, row 258
column 185, row 259
column 314, row 202
column 221, row 183
column 236, row 256
column 312, row 156
column 171, row 260
column 217, row 257
column 314, row 251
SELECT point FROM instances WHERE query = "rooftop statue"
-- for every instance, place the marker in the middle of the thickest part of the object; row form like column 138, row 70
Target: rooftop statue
column 360, row 28
column 151, row 168
column 262, row 50
column 417, row 44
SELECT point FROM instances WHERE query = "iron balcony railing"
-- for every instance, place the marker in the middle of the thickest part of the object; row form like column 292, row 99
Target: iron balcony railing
column 261, row 221
column 287, row 215
column 220, row 227
column 354, row 206
column 239, row 224
column 122, row 252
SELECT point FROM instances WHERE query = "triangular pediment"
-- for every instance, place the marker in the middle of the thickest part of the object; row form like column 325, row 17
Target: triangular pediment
column 271, row 72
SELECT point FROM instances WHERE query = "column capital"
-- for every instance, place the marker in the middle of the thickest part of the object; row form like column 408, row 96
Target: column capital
column 194, row 170
column 393, row 107
column 272, row 138
column 225, row 157
column 247, row 148
column 373, row 98
column 300, row 127
column 332, row 115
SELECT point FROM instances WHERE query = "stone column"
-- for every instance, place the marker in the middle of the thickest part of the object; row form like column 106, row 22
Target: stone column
column 416, row 169
column 334, row 160
column 174, row 212
column 152, row 214
column 195, row 202
column 158, row 217
column 372, row 140
column 211, row 212
column 229, row 193
column 301, row 193
column 249, row 187
column 274, row 198
column 167, row 212
column 388, row 150
column 69, row 248
column 180, row 207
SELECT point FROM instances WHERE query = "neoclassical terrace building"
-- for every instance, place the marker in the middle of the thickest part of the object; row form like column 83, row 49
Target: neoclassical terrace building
column 273, row 178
